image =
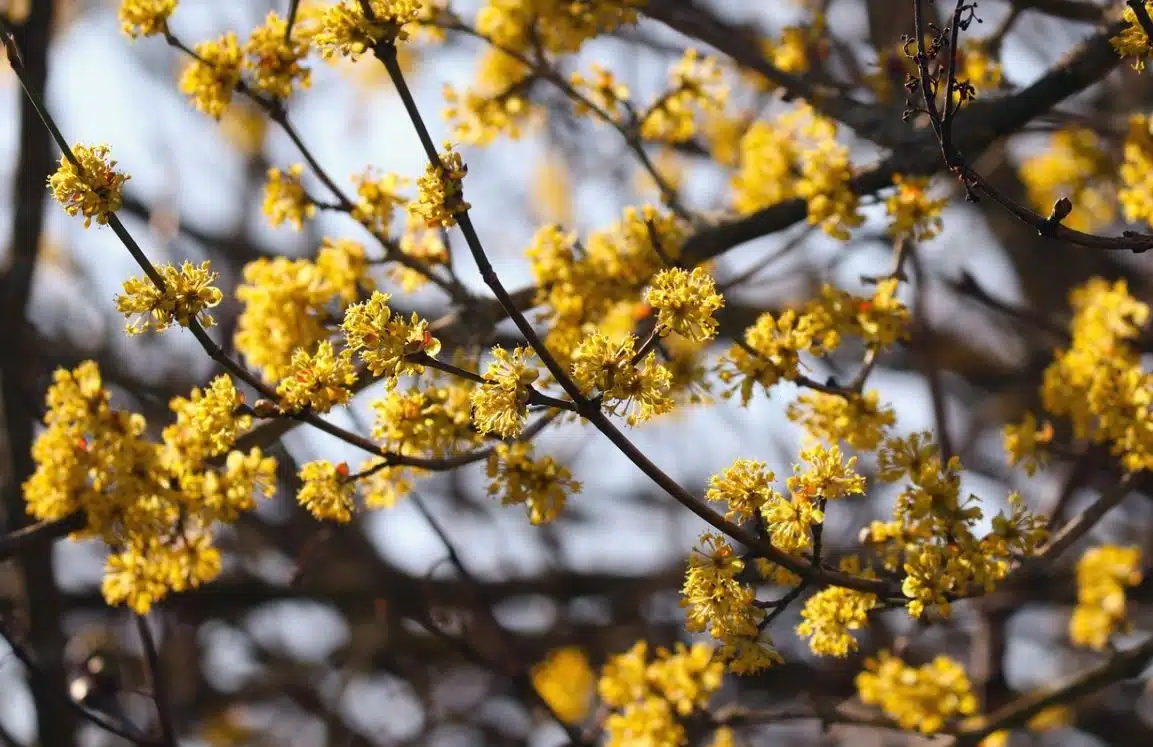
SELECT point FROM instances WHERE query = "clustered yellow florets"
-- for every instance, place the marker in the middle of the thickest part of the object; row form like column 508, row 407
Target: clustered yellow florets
column 211, row 78
column 541, row 485
column 288, row 302
column 640, row 387
column 428, row 421
column 1132, row 41
column 649, row 697
column 911, row 212
column 1102, row 575
column 696, row 83
column 1098, row 382
column 326, row 491
column 497, row 104
column 566, row 682
column 285, row 198
column 317, row 381
column 923, row 698
column 1076, row 165
column 860, row 420
column 931, row 537
column 685, row 302
column 145, row 17
column 154, row 504
column 187, row 295
column 90, row 187
column 1136, row 180
column 797, row 156
column 274, row 58
column 347, row 31
column 440, row 192
column 500, row 404
column 773, row 346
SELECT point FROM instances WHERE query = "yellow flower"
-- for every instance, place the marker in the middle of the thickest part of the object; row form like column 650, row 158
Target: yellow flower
column 1102, row 575
column 385, row 341
column 497, row 104
column 285, row 198
column 922, row 698
column 440, row 194
column 685, row 302
column 542, row 485
column 566, row 682
column 377, row 197
column 274, row 58
column 643, row 392
column 1132, row 41
column 318, row 380
column 145, row 17
column 1025, row 443
column 832, row 614
column 827, row 475
column 500, row 404
column 207, row 423
column 326, row 491
column 910, row 210
column 188, row 294
column 858, row 420
column 746, row 486
column 1078, row 166
column 429, row 421
column 211, row 78
column 91, row 189
column 345, row 30
column 696, row 83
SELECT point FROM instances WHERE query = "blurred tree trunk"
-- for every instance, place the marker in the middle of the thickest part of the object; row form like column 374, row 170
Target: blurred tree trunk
column 19, row 375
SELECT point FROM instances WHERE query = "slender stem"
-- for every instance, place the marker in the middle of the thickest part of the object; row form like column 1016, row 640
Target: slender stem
column 14, row 543
column 158, row 683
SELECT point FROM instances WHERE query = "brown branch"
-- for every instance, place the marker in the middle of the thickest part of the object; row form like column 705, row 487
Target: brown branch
column 157, row 683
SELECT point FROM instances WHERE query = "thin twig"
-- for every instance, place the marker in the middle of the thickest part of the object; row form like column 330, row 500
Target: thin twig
column 158, row 684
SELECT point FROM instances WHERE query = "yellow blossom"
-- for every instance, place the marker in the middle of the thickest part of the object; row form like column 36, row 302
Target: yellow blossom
column 746, row 486
column 211, row 78
column 566, row 682
column 188, row 294
column 384, row 340
column 377, row 196
column 345, row 30
column 685, row 302
column 639, row 387
column 1132, row 41
column 500, row 404
column 1102, row 575
column 274, row 58
column 440, row 195
column 912, row 214
column 319, row 380
column 91, row 187
column 542, row 485
column 326, row 491
column 924, row 698
column 145, row 17
column 857, row 419
column 696, row 83
column 285, row 198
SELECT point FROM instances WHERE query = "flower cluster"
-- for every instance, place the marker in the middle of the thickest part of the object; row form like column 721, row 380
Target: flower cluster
column 1102, row 575
column 145, row 17
column 1134, row 172
column 639, row 387
column 830, row 616
column 1075, row 165
column 696, row 83
column 377, row 197
column 931, row 537
column 91, row 186
column 860, row 420
column 1132, row 41
column 431, row 421
column 649, row 697
column 285, row 198
column 541, row 485
column 1098, row 382
column 440, row 192
column 685, row 302
column 213, row 75
column 911, row 212
column 326, row 491
column 344, row 28
column 287, row 303
column 188, row 293
column 773, row 345
column 496, row 105
column 557, row 27
column 154, row 504
column 798, row 156
column 924, row 698
column 317, row 380
column 500, row 404
column 385, row 341
column 566, row 682
column 719, row 601
column 274, row 58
